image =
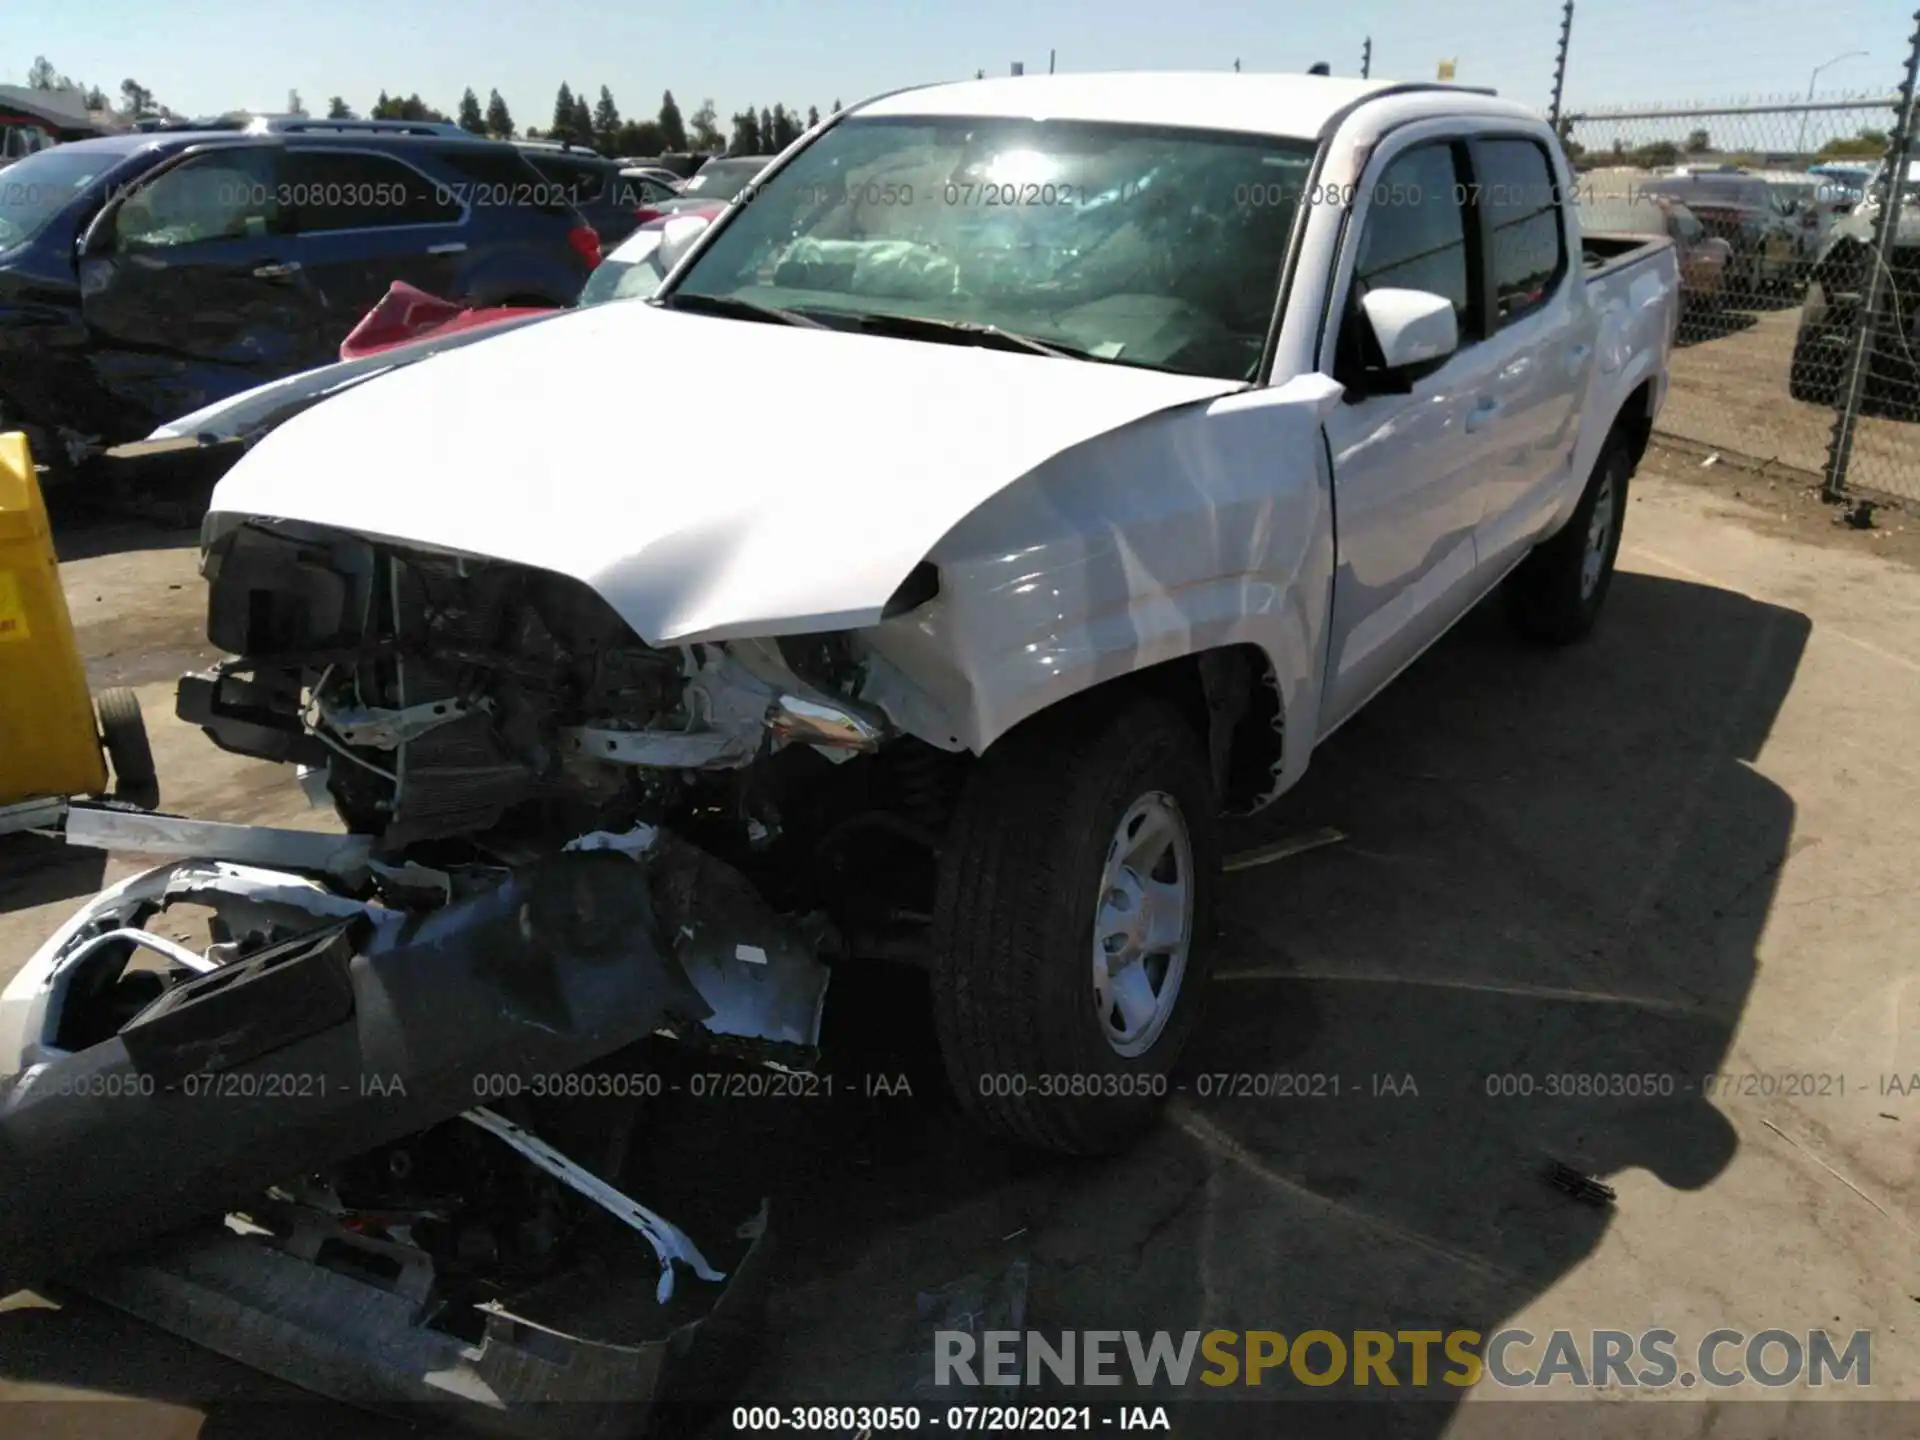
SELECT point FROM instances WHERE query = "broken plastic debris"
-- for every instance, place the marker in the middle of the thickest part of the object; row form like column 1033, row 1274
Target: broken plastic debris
column 752, row 954
column 635, row 843
column 669, row 1242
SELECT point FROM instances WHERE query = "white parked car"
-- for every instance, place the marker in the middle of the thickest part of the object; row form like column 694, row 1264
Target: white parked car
column 1115, row 438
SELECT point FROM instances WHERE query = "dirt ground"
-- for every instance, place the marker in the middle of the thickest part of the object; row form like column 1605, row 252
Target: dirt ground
column 1684, row 849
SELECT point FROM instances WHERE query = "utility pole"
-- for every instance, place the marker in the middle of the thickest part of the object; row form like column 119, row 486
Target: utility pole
column 1560, row 67
column 1366, row 59
column 1050, row 62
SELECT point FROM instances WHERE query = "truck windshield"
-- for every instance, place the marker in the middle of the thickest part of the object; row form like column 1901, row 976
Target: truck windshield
column 34, row 190
column 1130, row 244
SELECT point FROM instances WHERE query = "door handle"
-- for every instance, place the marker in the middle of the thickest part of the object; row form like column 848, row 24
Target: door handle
column 275, row 270
column 1481, row 413
column 453, row 247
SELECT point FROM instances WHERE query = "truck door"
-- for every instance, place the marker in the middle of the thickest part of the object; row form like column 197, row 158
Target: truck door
column 1408, row 481
column 1540, row 349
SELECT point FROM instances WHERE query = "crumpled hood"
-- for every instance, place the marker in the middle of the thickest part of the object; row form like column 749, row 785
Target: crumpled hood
column 709, row 477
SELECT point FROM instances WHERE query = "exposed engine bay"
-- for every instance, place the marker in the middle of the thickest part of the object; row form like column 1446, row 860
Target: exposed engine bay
column 459, row 709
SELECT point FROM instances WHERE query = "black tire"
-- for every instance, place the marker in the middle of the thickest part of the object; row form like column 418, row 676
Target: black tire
column 1813, row 375
column 1020, row 884
column 1550, row 597
column 123, row 731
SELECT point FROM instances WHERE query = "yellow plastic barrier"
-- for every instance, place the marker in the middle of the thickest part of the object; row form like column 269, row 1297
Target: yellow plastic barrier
column 48, row 742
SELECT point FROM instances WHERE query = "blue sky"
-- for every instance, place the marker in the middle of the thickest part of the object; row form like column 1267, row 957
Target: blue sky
column 200, row 56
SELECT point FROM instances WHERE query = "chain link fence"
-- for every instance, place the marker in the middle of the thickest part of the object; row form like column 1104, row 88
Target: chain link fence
column 1799, row 338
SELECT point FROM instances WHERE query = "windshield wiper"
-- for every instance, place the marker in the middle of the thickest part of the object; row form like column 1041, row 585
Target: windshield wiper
column 731, row 305
column 960, row 332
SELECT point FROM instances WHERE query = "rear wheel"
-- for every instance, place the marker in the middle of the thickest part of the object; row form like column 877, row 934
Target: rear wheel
column 1074, row 917
column 1555, row 594
column 1814, row 373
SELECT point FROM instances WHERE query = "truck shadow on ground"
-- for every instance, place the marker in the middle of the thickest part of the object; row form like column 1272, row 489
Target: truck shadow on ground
column 1557, row 865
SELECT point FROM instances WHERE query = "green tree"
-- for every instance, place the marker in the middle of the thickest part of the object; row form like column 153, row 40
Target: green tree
column 1655, row 155
column 469, row 117
column 136, row 99
column 562, row 127
column 746, row 134
column 639, row 137
column 703, row 131
column 582, row 133
column 813, row 116
column 673, row 129
column 1698, row 142
column 606, row 122
column 96, row 98
column 338, row 109
column 42, row 76
column 766, row 130
column 1869, row 144
column 837, row 107
column 499, row 118
column 786, row 129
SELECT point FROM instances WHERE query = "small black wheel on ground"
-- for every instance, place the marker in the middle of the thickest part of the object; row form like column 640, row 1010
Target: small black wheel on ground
column 123, row 732
column 1074, row 923
column 1555, row 594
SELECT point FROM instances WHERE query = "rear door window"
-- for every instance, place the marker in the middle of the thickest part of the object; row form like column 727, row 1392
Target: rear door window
column 333, row 190
column 1526, row 239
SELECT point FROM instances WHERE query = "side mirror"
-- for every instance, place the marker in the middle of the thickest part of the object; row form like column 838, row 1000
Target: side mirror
column 677, row 237
column 1411, row 331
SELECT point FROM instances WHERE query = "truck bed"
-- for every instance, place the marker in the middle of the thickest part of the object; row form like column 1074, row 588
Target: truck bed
column 1607, row 251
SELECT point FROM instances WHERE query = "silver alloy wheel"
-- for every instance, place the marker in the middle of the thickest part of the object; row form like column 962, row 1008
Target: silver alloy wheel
column 1143, row 925
column 1593, row 562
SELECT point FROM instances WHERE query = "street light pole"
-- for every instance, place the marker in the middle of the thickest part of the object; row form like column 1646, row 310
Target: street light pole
column 1801, row 147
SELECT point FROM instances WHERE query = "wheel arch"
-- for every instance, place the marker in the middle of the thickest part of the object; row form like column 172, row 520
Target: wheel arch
column 1229, row 694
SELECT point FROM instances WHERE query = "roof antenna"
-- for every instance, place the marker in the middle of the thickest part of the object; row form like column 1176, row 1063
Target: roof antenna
column 1321, row 68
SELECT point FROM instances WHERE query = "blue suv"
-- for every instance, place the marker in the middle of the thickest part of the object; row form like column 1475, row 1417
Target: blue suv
column 144, row 276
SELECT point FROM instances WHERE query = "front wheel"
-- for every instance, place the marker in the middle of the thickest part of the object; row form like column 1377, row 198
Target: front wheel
column 1075, row 916
column 1555, row 594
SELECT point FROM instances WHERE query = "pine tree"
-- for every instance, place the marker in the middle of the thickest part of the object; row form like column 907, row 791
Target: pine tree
column 338, row 109
column 813, row 116
column 606, row 123
column 562, row 126
column 499, row 119
column 470, row 119
column 673, row 130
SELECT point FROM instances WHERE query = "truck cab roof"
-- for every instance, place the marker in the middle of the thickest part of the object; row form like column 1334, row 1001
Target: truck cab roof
column 1297, row 107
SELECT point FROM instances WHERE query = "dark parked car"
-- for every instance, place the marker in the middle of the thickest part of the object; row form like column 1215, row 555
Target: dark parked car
column 1702, row 257
column 597, row 187
column 1750, row 215
column 143, row 276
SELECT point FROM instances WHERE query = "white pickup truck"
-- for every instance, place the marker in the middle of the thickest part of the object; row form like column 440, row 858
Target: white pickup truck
column 1113, row 439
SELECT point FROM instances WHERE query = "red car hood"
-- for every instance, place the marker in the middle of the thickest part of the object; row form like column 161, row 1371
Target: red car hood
column 405, row 314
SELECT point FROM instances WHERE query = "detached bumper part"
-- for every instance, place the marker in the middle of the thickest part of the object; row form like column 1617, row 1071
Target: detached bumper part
column 264, row 1304
column 360, row 1032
